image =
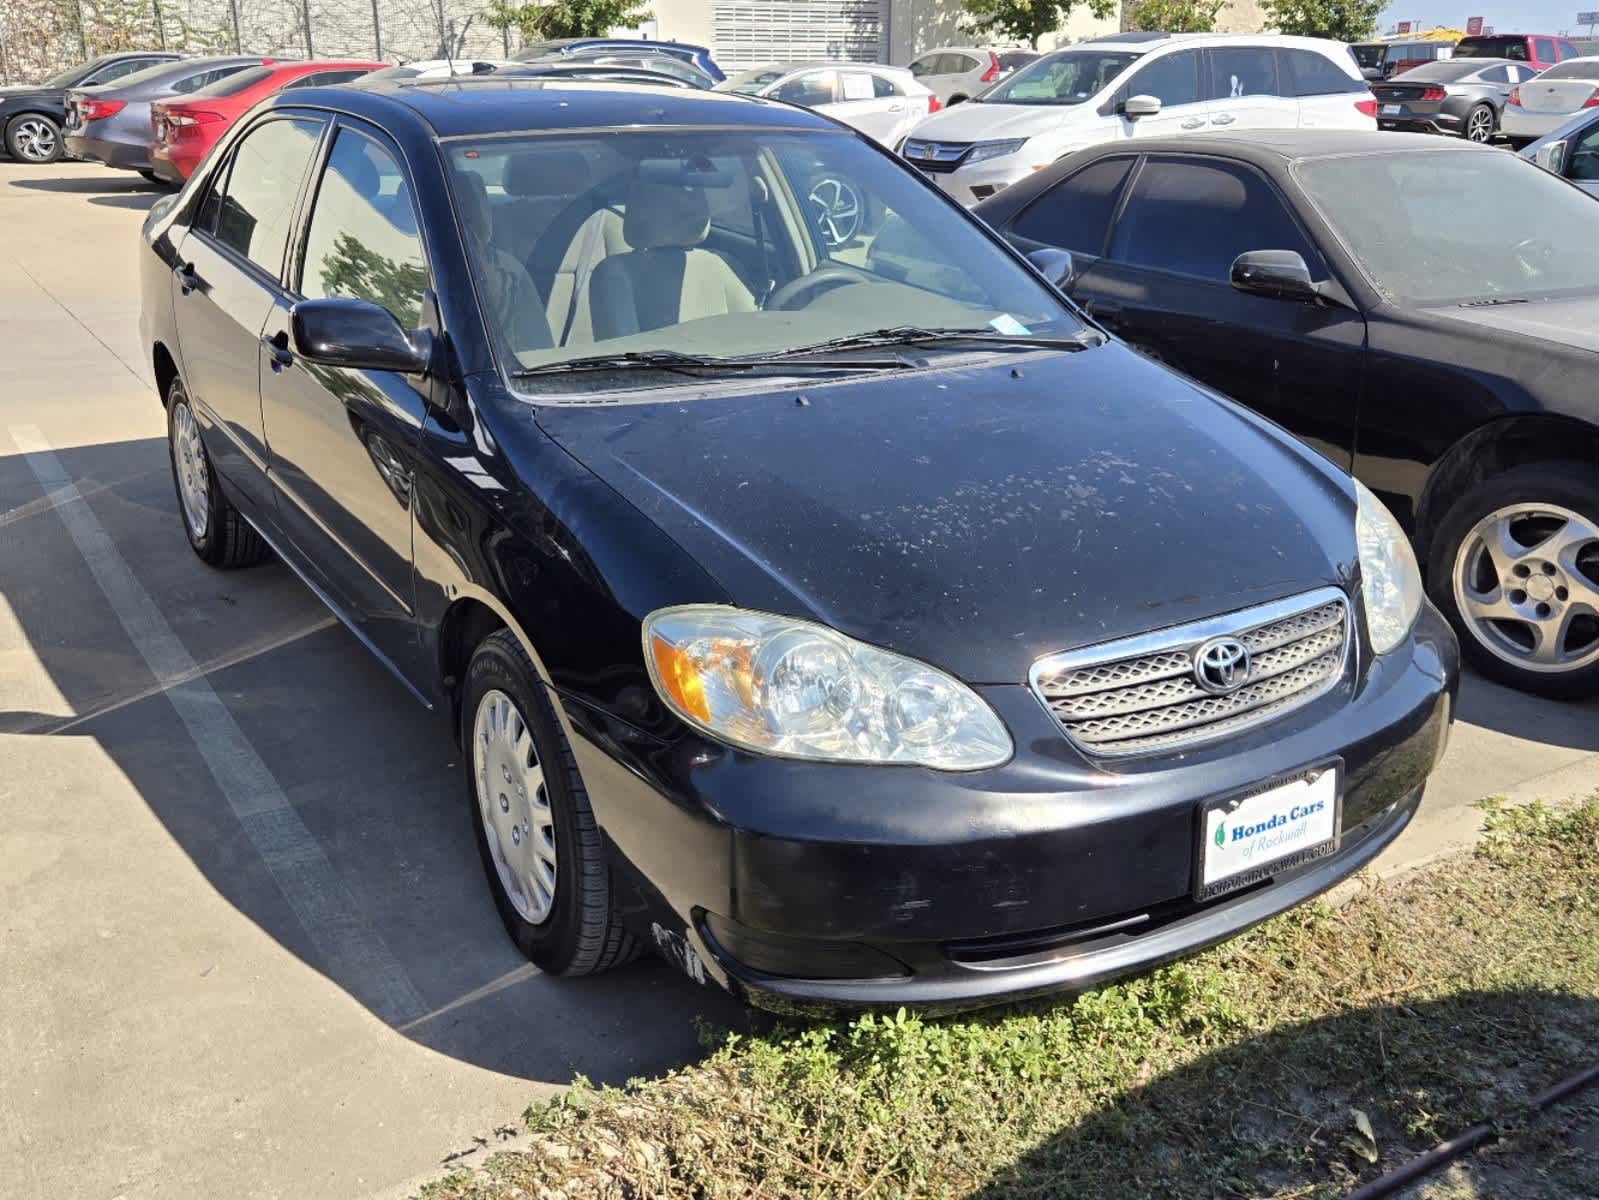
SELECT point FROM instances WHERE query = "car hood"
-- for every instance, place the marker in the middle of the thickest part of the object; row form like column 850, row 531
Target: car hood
column 975, row 122
column 979, row 517
column 20, row 90
column 1568, row 322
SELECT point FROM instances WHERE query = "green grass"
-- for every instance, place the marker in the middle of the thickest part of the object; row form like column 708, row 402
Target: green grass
column 1295, row 1061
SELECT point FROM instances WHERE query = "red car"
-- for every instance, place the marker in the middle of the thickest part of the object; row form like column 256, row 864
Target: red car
column 1540, row 51
column 186, row 128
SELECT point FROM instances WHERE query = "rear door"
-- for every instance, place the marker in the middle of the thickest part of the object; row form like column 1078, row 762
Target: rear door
column 227, row 281
column 1163, row 284
column 1245, row 91
column 343, row 442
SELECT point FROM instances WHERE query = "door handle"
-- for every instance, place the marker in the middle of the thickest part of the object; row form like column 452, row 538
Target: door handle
column 1223, row 119
column 1193, row 122
column 277, row 348
column 187, row 279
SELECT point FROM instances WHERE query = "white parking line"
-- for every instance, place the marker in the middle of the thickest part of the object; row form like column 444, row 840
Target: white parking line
column 352, row 952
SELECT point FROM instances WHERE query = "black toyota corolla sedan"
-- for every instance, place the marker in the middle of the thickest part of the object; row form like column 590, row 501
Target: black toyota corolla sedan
column 847, row 618
column 1425, row 313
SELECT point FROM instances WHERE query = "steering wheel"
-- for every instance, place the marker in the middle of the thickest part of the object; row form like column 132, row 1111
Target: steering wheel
column 825, row 278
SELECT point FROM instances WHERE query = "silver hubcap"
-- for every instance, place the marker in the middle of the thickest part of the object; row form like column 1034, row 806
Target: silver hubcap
column 514, row 806
column 1527, row 582
column 194, row 474
column 1479, row 127
column 35, row 140
column 839, row 206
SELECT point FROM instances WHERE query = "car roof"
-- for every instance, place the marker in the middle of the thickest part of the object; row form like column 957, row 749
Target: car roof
column 1277, row 147
column 1145, row 41
column 495, row 104
column 824, row 63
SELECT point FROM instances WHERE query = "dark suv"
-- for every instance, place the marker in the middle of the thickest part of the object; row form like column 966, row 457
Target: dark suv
column 849, row 620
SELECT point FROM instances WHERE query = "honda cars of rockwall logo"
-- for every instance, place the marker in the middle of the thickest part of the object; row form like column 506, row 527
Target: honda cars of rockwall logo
column 1285, row 824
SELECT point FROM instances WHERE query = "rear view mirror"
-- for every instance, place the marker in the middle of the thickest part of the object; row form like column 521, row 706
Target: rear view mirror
column 359, row 335
column 1552, row 157
column 1054, row 265
column 1279, row 274
column 1140, row 106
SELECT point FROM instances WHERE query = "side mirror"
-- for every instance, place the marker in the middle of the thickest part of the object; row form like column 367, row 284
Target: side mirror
column 1552, row 157
column 1279, row 274
column 1140, row 106
column 1054, row 265
column 359, row 335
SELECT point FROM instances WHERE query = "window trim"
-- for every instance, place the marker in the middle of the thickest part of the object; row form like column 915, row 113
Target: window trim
column 1131, row 182
column 294, row 272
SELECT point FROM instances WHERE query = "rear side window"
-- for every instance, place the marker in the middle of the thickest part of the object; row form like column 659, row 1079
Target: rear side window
column 1075, row 214
column 205, row 78
column 1546, row 49
column 1195, row 218
column 254, row 210
column 924, row 66
column 1306, row 73
column 1494, row 75
column 1173, row 78
column 1493, row 47
column 325, row 78
column 234, row 84
column 362, row 241
column 1238, row 71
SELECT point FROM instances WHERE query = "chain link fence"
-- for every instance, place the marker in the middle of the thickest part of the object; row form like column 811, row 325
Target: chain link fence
column 39, row 38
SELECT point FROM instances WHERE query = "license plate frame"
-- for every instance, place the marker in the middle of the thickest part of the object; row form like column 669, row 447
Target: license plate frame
column 1288, row 792
column 1390, row 110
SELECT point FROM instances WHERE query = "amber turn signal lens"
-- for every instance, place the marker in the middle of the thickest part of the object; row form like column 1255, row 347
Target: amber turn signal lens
column 679, row 678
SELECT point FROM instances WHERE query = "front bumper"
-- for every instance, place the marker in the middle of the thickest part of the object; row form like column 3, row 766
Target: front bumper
column 168, row 170
column 125, row 156
column 1052, row 873
column 969, row 185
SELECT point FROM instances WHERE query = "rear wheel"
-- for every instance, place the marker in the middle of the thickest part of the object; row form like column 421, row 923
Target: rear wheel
column 1481, row 124
column 535, row 831
column 217, row 533
column 33, row 138
column 1515, row 567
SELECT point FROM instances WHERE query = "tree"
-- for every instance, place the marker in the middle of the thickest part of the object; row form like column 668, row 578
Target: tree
column 1027, row 20
column 566, row 18
column 1174, row 16
column 1341, row 20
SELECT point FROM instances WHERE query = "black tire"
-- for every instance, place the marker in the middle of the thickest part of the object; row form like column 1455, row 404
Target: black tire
column 583, row 933
column 150, row 176
column 18, row 129
column 227, row 539
column 1573, row 486
column 1475, row 112
column 1519, row 144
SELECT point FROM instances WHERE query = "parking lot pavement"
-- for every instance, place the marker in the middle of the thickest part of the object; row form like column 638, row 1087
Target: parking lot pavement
column 245, row 948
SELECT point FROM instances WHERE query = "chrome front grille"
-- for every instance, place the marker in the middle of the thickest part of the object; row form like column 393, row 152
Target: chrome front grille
column 1142, row 695
column 935, row 156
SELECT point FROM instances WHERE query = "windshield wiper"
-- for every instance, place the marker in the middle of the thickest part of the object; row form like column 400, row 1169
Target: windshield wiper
column 913, row 335
column 693, row 364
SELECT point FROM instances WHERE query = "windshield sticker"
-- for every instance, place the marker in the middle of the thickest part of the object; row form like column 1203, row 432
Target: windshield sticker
column 1005, row 323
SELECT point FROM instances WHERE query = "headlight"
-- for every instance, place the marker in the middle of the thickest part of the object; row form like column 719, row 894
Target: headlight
column 793, row 689
column 984, row 151
column 1390, row 583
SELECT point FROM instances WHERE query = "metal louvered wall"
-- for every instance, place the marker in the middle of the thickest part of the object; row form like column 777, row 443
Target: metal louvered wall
column 751, row 32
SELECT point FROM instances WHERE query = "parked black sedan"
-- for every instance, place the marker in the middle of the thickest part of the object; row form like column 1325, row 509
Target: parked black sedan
column 968, row 658
column 1462, row 96
column 1425, row 313
column 31, row 115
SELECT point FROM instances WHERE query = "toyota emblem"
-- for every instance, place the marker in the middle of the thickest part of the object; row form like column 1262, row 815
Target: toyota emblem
column 1221, row 665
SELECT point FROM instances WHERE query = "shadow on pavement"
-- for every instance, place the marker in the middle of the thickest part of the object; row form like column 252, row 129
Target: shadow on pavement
column 1274, row 1115
column 1571, row 723
column 374, row 778
column 141, row 201
column 101, row 184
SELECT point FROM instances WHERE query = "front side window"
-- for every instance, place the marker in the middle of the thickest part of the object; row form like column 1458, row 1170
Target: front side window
column 1075, row 214
column 1239, row 71
column 362, row 241
column 254, row 209
column 1401, row 217
column 1582, row 158
column 884, row 87
column 1066, row 78
column 741, row 242
column 118, row 70
column 924, row 65
column 751, row 83
column 1195, row 218
column 1172, row 79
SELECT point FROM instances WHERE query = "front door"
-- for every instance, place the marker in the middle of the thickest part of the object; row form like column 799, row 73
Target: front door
column 226, row 283
column 343, row 442
column 1174, row 80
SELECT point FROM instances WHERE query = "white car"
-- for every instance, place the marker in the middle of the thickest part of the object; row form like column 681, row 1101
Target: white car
column 884, row 103
column 957, row 73
column 440, row 68
column 1539, row 105
column 1138, row 85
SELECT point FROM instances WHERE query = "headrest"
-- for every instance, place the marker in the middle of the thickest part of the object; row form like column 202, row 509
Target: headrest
column 665, row 215
column 474, row 205
column 547, row 173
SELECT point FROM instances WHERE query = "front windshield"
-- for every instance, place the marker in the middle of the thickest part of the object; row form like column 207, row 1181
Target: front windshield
column 1416, row 221
column 751, row 83
column 747, row 242
column 1069, row 77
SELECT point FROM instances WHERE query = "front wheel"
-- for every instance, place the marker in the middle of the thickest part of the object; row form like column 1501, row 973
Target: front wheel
column 217, row 532
column 1480, row 124
column 1515, row 567
column 535, row 831
column 33, row 138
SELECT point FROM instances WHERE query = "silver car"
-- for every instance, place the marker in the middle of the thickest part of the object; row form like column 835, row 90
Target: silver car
column 1571, row 151
column 111, row 124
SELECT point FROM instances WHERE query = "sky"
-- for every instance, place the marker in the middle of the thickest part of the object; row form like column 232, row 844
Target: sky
column 1506, row 16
